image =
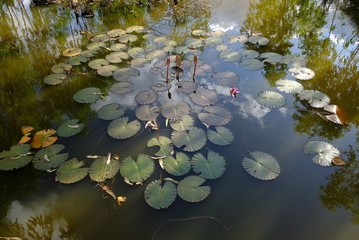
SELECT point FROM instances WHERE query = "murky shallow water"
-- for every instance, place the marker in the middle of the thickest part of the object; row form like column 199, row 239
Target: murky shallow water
column 239, row 206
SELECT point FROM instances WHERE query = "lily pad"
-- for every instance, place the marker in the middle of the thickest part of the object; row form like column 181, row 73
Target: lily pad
column 88, row 53
column 225, row 78
column 147, row 113
column 151, row 46
column 70, row 52
column 164, row 143
column 117, row 57
column 161, row 86
column 160, row 196
column 121, row 88
column 98, row 63
column 177, row 166
column 215, row 116
column 325, row 152
column 190, row 189
column 77, row 60
column 43, row 138
column 88, row 95
column 146, row 97
column 185, row 123
column 136, row 29
column 202, row 70
column 136, row 51
column 258, row 40
column 107, row 71
column 271, row 57
column 250, row 54
column 170, row 43
column 315, row 98
column 213, row 41
column 204, row 97
column 71, row 171
column 157, row 53
column 139, row 170
column 262, row 165
column 302, row 73
column 96, row 46
column 118, row 47
column 199, row 32
column 121, row 76
column 55, row 79
column 222, row 136
column 148, row 36
column 120, row 128
column 192, row 140
column 194, row 43
column 171, row 110
column 101, row 169
column 186, row 86
column 18, row 156
column 271, row 99
column 252, row 64
column 238, row 38
column 160, row 39
column 111, row 111
column 61, row 68
column 211, row 167
column 221, row 48
column 289, row 86
column 70, row 128
column 127, row 38
column 132, row 72
column 100, row 38
column 49, row 157
column 140, row 62
column 217, row 33
column 115, row 33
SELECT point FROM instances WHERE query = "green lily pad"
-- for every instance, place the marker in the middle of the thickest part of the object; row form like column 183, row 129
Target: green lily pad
column 139, row 170
column 225, row 78
column 61, row 68
column 186, row 86
column 271, row 99
column 120, row 128
column 132, row 72
column 325, row 152
column 101, row 169
column 193, row 140
column 77, row 60
column 213, row 41
column 164, row 143
column 98, row 63
column 170, row 43
column 88, row 53
column 146, row 97
column 171, row 110
column 117, row 57
column 185, row 123
column 302, row 73
column 121, row 76
column 217, row 33
column 136, row 29
column 190, row 189
column 107, row 71
column 127, row 38
column 194, row 43
column 157, row 53
column 238, row 38
column 177, row 166
column 161, row 86
column 199, row 32
column 160, row 196
column 160, row 39
column 70, row 128
column 288, row 58
column 140, row 62
column 147, row 113
column 271, row 57
column 100, row 38
column 262, row 165
column 250, row 54
column 121, row 88
column 18, row 156
column 96, row 46
column 111, row 111
column 148, row 36
column 71, row 171
column 182, row 50
column 88, row 95
column 115, row 33
column 119, row 47
column 136, row 51
column 168, row 50
column 215, row 116
column 222, row 136
column 289, row 86
column 252, row 64
column 211, row 167
column 258, row 40
column 221, row 48
column 315, row 98
column 151, row 46
column 202, row 70
column 49, row 157
column 55, row 79
column 204, row 97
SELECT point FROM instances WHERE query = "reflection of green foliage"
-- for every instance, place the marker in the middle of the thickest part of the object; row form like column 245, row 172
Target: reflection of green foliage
column 342, row 189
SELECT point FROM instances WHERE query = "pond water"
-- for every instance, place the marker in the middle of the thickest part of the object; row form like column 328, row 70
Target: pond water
column 306, row 200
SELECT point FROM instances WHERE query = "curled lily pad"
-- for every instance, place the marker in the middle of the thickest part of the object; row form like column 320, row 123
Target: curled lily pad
column 262, row 165
column 70, row 128
column 121, row 88
column 164, row 143
column 140, row 62
column 175, row 111
column 71, row 171
column 120, row 128
column 139, row 170
column 136, row 51
column 315, row 98
column 178, row 165
column 77, row 60
column 136, row 28
column 132, row 72
column 147, row 113
column 271, row 99
column 190, row 189
column 302, row 73
column 325, row 152
column 61, row 68
column 258, row 40
column 146, row 97
column 185, row 123
column 102, row 169
column 225, row 78
column 160, row 196
column 49, row 157
column 192, row 140
column 88, row 95
column 157, row 53
column 289, row 86
column 161, row 86
column 204, row 97
column 127, row 38
column 211, row 167
column 186, row 86
column 111, row 111
column 114, row 33
column 250, row 54
column 55, row 79
column 70, row 52
column 18, row 156
column 252, row 64
column 96, row 46
column 117, row 57
column 215, row 116
column 107, row 71
column 98, row 63
column 222, row 136
column 118, row 47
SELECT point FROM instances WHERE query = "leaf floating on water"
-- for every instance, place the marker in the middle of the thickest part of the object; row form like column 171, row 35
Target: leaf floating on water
column 96, row 46
column 136, row 51
column 252, row 64
column 107, row 71
column 146, row 97
column 211, row 167
column 225, row 78
column 71, row 171
column 170, row 43
column 16, row 157
column 49, row 157
column 185, row 123
column 100, row 171
column 148, row 36
column 88, row 95
column 132, row 72
column 119, row 47
column 136, row 29
column 213, row 41
column 147, row 113
column 271, row 57
column 111, row 111
column 140, row 62
column 161, row 86
column 262, row 165
column 260, row 40
column 61, row 68
column 222, row 136
column 70, row 128
column 160, row 39
column 178, row 165
column 100, row 38
column 122, row 88
column 315, row 98
column 289, row 86
column 339, row 116
column 194, row 42
column 165, row 144
column 271, row 99
column 70, row 52
column 302, row 73
column 250, row 54
column 204, row 97
column 43, row 138
column 190, row 189
column 115, row 33
column 77, row 60
column 193, row 140
column 117, row 57
column 157, row 53
column 186, row 86
column 139, row 170
column 324, row 151
column 55, row 79
column 98, row 63
column 160, row 196
column 199, row 32
column 215, row 116
column 120, row 128
column 338, row 161
column 174, row 111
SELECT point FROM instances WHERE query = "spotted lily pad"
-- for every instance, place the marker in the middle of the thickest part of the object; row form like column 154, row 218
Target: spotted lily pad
column 98, row 63
column 55, row 79
column 102, row 169
column 120, row 128
column 71, row 171
column 271, row 99
column 164, row 143
column 49, row 157
column 88, row 95
column 146, row 97
column 190, row 189
column 204, row 97
column 160, row 196
column 302, row 73
column 121, row 88
column 225, row 78
column 185, row 123
column 18, row 156
column 139, row 170
column 70, row 128
column 325, row 152
column 178, row 165
column 315, row 98
column 222, row 136
column 215, row 116
column 147, row 113
column 70, row 52
column 61, row 68
column 111, row 111
column 289, row 86
column 262, row 165
column 211, row 167
column 192, row 140
column 171, row 110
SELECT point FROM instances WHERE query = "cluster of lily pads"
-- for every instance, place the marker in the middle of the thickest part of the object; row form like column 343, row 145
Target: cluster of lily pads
column 124, row 53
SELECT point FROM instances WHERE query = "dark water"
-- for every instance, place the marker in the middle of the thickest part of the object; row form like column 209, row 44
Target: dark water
column 306, row 201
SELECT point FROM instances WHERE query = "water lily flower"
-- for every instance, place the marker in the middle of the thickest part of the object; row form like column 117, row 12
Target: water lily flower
column 233, row 91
